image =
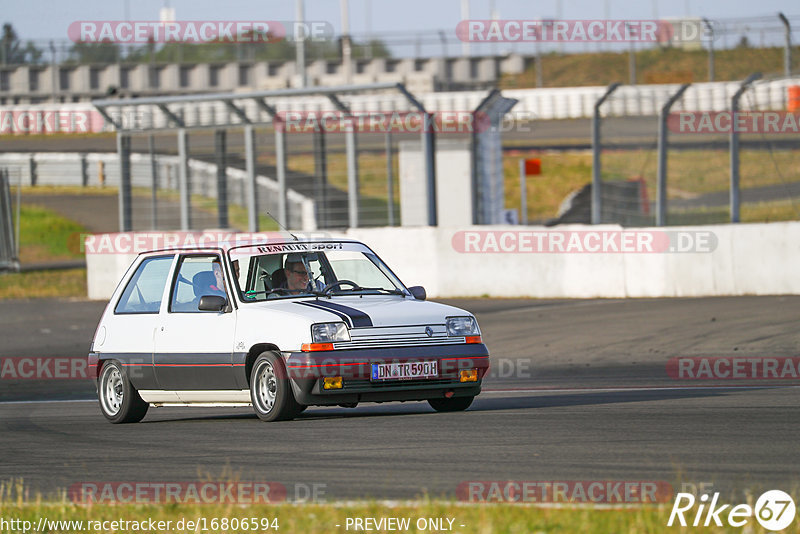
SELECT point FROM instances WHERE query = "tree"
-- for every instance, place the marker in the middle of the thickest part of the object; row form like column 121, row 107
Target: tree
column 13, row 52
column 94, row 52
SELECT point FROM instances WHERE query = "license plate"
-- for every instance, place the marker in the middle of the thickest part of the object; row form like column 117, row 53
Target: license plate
column 404, row 371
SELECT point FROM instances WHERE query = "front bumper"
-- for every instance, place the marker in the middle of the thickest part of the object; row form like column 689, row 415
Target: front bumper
column 306, row 370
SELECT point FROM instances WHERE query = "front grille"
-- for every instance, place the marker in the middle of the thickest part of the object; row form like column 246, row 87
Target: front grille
column 398, row 336
column 361, row 383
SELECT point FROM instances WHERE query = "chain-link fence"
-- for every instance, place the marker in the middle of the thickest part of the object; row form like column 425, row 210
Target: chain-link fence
column 701, row 160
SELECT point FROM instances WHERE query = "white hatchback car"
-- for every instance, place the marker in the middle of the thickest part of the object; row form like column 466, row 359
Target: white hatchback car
column 279, row 326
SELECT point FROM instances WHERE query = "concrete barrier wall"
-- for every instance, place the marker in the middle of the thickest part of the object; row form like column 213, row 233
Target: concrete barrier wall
column 748, row 259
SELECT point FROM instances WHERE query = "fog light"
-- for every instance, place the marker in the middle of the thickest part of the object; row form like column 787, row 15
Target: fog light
column 469, row 375
column 332, row 382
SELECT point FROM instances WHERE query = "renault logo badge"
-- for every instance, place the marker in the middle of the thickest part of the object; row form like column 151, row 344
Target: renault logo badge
column 429, row 331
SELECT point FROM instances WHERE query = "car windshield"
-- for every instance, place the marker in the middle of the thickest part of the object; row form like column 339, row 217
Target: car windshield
column 304, row 269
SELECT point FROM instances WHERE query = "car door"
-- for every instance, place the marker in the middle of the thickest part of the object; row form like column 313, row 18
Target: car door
column 131, row 327
column 193, row 349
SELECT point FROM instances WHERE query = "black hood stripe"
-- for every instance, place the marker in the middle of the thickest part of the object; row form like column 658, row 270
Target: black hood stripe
column 358, row 319
column 342, row 316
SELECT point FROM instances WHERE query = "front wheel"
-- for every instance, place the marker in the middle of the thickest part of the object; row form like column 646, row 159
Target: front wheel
column 455, row 404
column 270, row 391
column 119, row 400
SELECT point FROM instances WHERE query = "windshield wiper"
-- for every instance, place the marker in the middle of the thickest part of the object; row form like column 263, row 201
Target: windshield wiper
column 281, row 290
column 383, row 289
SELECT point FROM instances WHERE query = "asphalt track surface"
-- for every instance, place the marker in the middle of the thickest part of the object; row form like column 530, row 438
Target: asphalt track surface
column 578, row 391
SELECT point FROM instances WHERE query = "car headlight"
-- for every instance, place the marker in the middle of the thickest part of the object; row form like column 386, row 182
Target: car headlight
column 462, row 326
column 329, row 332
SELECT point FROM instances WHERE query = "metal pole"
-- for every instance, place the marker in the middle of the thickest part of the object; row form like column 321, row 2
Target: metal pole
column 390, row 177
column 252, row 189
column 220, row 142
column 352, row 176
column 734, row 147
column 125, row 211
column 19, row 204
column 538, row 61
column 300, row 43
column 429, row 151
column 280, row 163
column 347, row 51
column 710, row 50
column 183, row 179
column 154, row 181
column 631, row 61
column 596, row 148
column 787, row 49
column 321, row 172
column 523, row 193
column 661, row 185
column 465, row 16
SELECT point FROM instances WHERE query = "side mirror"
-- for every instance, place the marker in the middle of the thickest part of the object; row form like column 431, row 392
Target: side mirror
column 213, row 303
column 418, row 292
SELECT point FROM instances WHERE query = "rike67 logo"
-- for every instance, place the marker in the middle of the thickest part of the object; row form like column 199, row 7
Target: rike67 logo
column 774, row 510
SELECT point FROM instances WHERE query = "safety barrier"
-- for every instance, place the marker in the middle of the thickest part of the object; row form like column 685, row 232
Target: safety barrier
column 714, row 260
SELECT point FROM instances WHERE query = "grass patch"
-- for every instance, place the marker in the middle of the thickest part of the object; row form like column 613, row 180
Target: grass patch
column 69, row 283
column 46, row 236
column 65, row 190
column 656, row 65
column 691, row 173
column 311, row 518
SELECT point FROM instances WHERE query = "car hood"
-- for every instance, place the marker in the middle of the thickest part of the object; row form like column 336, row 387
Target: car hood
column 369, row 310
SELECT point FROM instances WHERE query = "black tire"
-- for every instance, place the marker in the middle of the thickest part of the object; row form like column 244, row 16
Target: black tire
column 119, row 400
column 270, row 391
column 454, row 404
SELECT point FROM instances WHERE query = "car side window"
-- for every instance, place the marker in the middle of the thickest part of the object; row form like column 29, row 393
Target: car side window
column 146, row 287
column 197, row 277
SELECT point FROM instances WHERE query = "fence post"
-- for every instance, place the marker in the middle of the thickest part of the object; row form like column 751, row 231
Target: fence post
column 596, row 149
column 252, row 186
column 734, row 147
column 32, row 169
column 183, row 179
column 84, row 171
column 390, row 177
column 151, row 142
column 280, row 162
column 787, row 47
column 220, row 147
column 321, row 176
column 125, row 205
column 661, row 184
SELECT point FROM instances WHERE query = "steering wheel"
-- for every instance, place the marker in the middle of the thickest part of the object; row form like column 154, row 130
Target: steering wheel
column 327, row 289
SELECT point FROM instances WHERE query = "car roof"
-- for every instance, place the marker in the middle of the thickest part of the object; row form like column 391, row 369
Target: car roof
column 234, row 242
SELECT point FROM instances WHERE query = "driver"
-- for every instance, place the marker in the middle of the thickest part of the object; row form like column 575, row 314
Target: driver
column 296, row 274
